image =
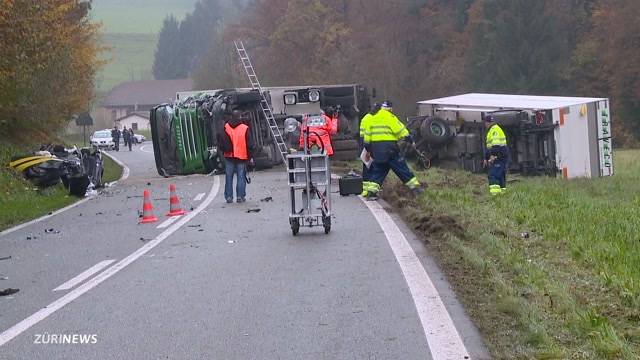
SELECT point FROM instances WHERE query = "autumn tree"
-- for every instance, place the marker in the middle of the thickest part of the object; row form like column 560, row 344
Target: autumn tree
column 48, row 64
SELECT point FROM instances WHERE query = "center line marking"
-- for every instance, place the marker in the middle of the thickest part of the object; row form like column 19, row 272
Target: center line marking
column 442, row 336
column 199, row 197
column 167, row 222
column 84, row 275
column 43, row 313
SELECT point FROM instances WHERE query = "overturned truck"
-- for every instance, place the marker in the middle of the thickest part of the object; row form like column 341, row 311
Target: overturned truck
column 185, row 133
column 546, row 135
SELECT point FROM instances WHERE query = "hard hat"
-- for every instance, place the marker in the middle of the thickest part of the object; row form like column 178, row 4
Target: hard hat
column 488, row 118
column 386, row 104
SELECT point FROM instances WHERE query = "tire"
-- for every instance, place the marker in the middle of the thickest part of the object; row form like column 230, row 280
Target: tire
column 342, row 145
column 436, row 131
column 346, row 155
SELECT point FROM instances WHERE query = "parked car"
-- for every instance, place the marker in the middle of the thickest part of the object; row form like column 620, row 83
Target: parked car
column 137, row 138
column 102, row 139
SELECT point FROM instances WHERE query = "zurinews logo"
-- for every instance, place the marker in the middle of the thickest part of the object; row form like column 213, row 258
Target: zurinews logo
column 47, row 338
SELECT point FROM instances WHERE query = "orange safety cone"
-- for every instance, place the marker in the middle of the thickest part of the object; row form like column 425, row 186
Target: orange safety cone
column 147, row 210
column 174, row 202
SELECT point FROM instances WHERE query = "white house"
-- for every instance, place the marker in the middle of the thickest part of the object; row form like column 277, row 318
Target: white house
column 135, row 121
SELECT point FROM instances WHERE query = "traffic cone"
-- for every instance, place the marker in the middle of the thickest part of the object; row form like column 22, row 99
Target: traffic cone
column 174, row 202
column 147, row 210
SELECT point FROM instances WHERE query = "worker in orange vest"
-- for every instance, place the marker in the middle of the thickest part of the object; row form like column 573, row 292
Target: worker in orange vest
column 320, row 130
column 237, row 145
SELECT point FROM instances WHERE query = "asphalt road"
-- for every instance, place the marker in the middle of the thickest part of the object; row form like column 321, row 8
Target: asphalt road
column 221, row 283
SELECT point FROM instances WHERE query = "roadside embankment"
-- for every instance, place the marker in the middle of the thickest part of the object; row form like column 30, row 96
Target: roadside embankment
column 548, row 270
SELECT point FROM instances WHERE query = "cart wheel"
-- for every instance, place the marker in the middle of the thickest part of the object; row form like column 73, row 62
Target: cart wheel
column 295, row 226
column 326, row 222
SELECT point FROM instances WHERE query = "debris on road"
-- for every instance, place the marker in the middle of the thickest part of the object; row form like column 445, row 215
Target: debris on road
column 194, row 226
column 267, row 199
column 31, row 237
column 231, row 242
column 51, row 231
column 256, row 210
column 8, row 291
column 5, row 258
column 144, row 239
column 4, row 278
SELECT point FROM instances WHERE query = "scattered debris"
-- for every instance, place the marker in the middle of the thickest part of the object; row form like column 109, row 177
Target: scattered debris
column 525, row 235
column 50, row 212
column 267, row 199
column 231, row 242
column 253, row 210
column 31, row 237
column 4, row 278
column 194, row 226
column 51, row 231
column 144, row 239
column 149, row 184
column 99, row 213
column 5, row 258
column 8, row 291
column 201, row 230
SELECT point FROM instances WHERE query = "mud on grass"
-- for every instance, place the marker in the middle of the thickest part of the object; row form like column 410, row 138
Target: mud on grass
column 540, row 270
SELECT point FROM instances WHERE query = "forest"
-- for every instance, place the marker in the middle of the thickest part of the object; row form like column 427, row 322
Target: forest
column 411, row 50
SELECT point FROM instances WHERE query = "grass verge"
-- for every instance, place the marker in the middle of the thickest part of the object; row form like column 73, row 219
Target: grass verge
column 549, row 270
column 22, row 201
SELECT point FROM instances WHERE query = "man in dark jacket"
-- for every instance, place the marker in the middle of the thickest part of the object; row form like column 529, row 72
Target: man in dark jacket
column 115, row 134
column 237, row 145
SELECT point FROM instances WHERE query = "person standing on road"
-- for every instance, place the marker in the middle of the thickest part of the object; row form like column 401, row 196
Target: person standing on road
column 132, row 138
column 496, row 156
column 381, row 135
column 237, row 145
column 364, row 123
column 115, row 134
column 125, row 136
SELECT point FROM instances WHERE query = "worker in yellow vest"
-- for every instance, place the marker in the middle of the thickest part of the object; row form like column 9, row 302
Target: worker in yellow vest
column 381, row 135
column 496, row 156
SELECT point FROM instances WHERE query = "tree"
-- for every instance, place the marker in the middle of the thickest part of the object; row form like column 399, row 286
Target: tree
column 49, row 60
column 169, row 63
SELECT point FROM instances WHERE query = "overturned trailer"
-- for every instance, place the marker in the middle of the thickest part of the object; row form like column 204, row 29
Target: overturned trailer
column 547, row 135
column 185, row 133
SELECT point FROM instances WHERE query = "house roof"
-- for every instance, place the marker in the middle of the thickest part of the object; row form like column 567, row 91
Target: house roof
column 146, row 92
column 488, row 102
column 142, row 114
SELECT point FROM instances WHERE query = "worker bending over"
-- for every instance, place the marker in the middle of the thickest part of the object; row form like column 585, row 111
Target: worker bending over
column 496, row 156
column 364, row 123
column 320, row 130
column 381, row 135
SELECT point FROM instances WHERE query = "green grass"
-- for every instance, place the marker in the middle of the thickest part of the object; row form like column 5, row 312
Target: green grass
column 129, row 57
column 22, row 201
column 571, row 289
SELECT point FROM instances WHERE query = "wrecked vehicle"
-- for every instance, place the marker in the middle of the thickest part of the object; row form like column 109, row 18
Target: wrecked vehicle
column 79, row 170
column 546, row 135
column 184, row 134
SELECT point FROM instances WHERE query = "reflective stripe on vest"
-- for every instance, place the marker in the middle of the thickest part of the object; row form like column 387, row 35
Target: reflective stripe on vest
column 496, row 137
column 238, row 136
column 384, row 126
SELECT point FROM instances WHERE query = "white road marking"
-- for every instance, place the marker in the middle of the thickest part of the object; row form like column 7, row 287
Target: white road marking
column 43, row 313
column 199, row 197
column 143, row 147
column 84, row 275
column 125, row 175
column 168, row 222
column 443, row 338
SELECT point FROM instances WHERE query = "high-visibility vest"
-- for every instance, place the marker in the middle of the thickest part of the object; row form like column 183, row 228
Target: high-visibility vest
column 496, row 136
column 320, row 135
column 384, row 126
column 364, row 123
column 238, row 136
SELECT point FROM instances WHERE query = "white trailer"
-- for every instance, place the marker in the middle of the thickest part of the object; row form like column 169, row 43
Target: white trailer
column 580, row 127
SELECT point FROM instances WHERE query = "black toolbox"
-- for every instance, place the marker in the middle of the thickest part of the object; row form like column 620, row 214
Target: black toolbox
column 350, row 185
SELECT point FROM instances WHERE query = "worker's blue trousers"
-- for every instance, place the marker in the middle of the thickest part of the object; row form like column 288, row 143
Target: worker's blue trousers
column 498, row 173
column 379, row 170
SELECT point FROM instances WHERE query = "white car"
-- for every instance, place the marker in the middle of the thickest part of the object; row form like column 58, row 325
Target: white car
column 137, row 138
column 102, row 138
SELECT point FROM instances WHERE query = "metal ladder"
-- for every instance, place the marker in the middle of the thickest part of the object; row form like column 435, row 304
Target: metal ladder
column 264, row 104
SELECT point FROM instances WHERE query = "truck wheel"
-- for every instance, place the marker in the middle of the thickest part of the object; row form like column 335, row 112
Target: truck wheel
column 295, row 226
column 346, row 155
column 436, row 131
column 341, row 145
